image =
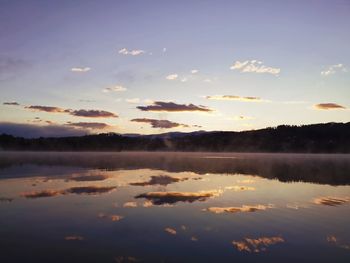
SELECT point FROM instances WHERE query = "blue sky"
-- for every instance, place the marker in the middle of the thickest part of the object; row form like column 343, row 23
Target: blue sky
column 292, row 57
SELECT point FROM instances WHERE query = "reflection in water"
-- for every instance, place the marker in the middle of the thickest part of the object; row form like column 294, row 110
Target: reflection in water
column 174, row 207
column 331, row 201
column 161, row 180
column 256, row 245
column 332, row 239
column 244, row 208
column 78, row 238
column 88, row 190
column 160, row 198
column 170, row 230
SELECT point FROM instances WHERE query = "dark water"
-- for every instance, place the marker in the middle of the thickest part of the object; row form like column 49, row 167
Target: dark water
column 174, row 207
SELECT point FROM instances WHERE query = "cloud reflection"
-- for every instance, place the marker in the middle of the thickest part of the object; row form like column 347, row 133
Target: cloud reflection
column 331, row 201
column 159, row 180
column 233, row 209
column 160, row 198
column 256, row 245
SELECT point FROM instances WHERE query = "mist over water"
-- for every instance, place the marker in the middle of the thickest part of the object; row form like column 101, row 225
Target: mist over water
column 174, row 207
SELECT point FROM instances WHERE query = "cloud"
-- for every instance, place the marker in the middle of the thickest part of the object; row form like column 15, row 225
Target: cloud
column 256, row 245
column 79, row 113
column 173, row 107
column 329, row 106
column 163, row 124
column 159, row 180
column 90, row 190
column 233, row 209
column 80, row 69
column 46, row 108
column 134, row 52
column 89, row 125
column 92, row 113
column 160, row 198
column 170, row 230
column 11, row 103
column 194, row 71
column 233, row 97
column 117, row 88
column 43, row 193
column 35, row 131
column 254, row 66
column 172, row 77
column 333, row 69
column 331, row 201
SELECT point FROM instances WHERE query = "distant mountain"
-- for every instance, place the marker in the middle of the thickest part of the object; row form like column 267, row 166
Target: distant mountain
column 315, row 138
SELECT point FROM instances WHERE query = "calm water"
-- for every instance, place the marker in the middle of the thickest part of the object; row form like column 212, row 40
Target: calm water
column 167, row 207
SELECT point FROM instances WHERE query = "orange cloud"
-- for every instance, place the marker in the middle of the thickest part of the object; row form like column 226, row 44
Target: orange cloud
column 331, row 201
column 329, row 106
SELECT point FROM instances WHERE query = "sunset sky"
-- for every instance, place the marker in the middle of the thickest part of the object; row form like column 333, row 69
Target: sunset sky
column 78, row 67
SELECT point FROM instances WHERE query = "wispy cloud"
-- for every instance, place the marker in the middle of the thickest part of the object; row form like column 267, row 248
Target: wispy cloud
column 117, row 88
column 134, row 52
column 45, row 108
column 79, row 113
column 172, row 76
column 173, row 107
column 11, row 103
column 254, row 66
column 133, row 101
column 163, row 124
column 89, row 125
column 234, row 97
column 80, row 69
column 333, row 69
column 194, row 71
column 329, row 106
column 170, row 230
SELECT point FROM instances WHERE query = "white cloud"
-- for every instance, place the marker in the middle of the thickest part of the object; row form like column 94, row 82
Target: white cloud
column 207, row 80
column 133, row 101
column 184, row 79
column 116, row 88
column 333, row 69
column 80, row 69
column 164, row 49
column 254, row 66
column 134, row 52
column 172, row 77
column 194, row 71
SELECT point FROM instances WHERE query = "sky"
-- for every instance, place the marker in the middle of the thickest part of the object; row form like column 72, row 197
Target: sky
column 80, row 67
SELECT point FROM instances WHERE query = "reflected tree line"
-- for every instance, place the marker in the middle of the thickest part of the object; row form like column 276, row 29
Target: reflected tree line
column 321, row 168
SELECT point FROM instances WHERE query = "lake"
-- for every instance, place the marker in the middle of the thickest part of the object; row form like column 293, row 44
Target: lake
column 174, row 207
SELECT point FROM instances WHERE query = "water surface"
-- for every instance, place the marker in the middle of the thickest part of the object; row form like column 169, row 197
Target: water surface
column 174, row 207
